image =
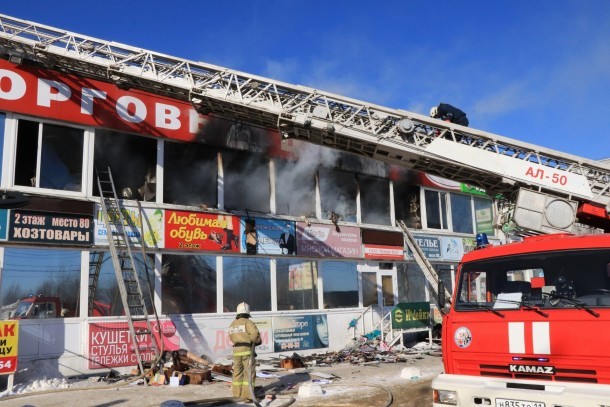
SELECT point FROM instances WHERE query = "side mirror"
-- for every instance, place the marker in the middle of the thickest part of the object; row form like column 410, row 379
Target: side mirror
column 441, row 300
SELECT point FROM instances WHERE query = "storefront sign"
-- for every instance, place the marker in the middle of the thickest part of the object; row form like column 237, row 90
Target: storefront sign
column 148, row 227
column 9, row 341
column 382, row 252
column 3, row 224
column 48, row 228
column 431, row 246
column 292, row 333
column 409, row 315
column 270, row 236
column 452, row 248
column 328, row 240
column 201, row 231
column 110, row 343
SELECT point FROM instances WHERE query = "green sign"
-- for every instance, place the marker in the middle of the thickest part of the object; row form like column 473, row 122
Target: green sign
column 408, row 315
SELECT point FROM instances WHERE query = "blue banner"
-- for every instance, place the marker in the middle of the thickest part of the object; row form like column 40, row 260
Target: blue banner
column 292, row 333
column 268, row 236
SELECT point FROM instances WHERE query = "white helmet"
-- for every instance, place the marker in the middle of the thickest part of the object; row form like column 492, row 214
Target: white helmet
column 433, row 111
column 243, row 308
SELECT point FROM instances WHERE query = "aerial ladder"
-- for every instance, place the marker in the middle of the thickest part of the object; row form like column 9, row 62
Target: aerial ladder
column 542, row 190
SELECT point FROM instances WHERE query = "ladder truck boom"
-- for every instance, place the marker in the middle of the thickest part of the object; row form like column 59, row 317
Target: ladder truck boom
column 553, row 183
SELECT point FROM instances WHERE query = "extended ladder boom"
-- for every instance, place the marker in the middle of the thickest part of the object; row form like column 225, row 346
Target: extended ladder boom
column 495, row 163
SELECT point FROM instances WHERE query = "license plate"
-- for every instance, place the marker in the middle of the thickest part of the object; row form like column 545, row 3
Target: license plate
column 517, row 403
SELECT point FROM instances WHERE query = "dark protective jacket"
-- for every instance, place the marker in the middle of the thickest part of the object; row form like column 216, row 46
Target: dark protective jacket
column 452, row 114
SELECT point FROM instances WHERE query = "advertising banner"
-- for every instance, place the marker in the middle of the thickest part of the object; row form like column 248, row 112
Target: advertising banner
column 430, row 245
column 383, row 252
column 293, row 333
column 9, row 341
column 3, row 224
column 110, row 343
column 148, row 228
column 321, row 240
column 302, row 276
column 201, row 231
column 50, row 228
column 214, row 340
column 268, row 236
column 409, row 315
column 452, row 248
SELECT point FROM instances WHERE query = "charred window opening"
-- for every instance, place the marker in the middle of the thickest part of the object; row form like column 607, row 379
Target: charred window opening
column 39, row 283
column 59, row 165
column 246, row 280
column 407, row 205
column 338, row 192
column 132, row 161
column 246, row 182
column 295, row 188
column 188, row 284
column 297, row 285
column 374, row 200
column 340, row 284
column 190, row 175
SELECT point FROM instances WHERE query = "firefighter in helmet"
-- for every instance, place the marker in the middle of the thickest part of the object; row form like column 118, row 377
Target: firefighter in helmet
column 448, row 113
column 243, row 334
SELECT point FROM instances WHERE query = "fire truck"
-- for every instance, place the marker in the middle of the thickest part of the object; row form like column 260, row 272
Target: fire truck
column 527, row 322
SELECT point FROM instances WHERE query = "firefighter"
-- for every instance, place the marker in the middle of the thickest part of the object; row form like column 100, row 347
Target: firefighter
column 243, row 334
column 449, row 113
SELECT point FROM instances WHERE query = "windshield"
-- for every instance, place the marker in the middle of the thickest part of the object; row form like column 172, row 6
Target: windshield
column 545, row 280
column 22, row 309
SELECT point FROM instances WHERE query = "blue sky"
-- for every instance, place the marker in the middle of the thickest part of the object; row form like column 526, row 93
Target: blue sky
column 536, row 71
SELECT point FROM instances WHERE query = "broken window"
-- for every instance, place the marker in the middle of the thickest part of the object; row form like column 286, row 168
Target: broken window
column 246, row 182
column 188, row 284
column 340, row 284
column 132, row 161
column 246, row 279
column 190, row 175
column 106, row 295
column 49, row 156
column 39, row 276
column 297, row 285
column 295, row 188
column 338, row 192
column 374, row 200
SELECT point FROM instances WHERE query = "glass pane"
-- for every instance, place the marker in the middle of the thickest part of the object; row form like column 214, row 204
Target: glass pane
column 190, row 175
column 39, row 283
column 433, row 218
column 61, row 160
column 2, row 120
column 483, row 212
column 340, row 284
column 107, row 298
column 246, row 182
column 297, row 285
column 132, row 161
column 338, row 195
column 27, row 153
column 246, row 279
column 387, row 289
column 299, row 201
column 374, row 200
column 411, row 283
column 369, row 289
column 188, row 284
column 461, row 213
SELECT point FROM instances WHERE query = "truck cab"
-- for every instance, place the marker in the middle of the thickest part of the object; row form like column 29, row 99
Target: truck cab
column 38, row 308
column 529, row 325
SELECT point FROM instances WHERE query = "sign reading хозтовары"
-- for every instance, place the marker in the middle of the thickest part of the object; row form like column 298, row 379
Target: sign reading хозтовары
column 50, row 228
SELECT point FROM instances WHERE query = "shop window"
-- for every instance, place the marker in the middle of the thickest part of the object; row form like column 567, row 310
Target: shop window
column 132, row 161
column 2, row 124
column 374, row 200
column 340, row 284
column 458, row 213
column 190, row 175
column 106, row 296
column 49, row 156
column 338, row 193
column 38, row 283
column 246, row 279
column 188, row 284
column 297, row 285
column 246, row 182
column 411, row 283
column 295, row 188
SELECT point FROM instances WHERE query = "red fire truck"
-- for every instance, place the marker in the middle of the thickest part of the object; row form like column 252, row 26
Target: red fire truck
column 529, row 325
